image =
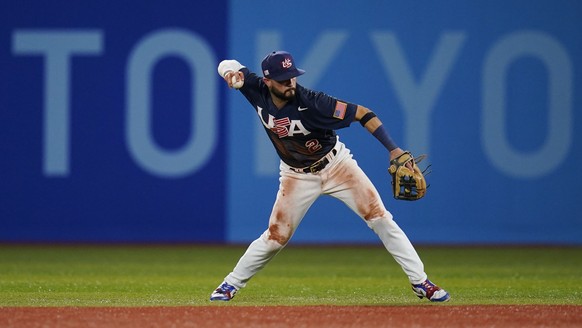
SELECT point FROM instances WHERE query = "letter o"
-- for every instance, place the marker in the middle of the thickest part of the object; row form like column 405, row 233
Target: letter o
column 553, row 152
column 198, row 56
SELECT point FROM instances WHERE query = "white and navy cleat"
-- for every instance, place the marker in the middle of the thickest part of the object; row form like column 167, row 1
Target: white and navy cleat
column 224, row 292
column 431, row 291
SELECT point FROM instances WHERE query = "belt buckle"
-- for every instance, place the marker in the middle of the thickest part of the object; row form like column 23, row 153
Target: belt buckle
column 314, row 168
column 317, row 166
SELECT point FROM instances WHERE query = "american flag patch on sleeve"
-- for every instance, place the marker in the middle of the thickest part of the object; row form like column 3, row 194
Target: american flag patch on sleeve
column 340, row 110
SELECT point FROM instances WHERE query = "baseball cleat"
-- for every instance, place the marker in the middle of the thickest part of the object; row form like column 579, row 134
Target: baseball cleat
column 431, row 291
column 224, row 292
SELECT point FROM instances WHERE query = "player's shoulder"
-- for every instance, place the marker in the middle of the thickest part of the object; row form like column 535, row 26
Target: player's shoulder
column 314, row 97
column 310, row 94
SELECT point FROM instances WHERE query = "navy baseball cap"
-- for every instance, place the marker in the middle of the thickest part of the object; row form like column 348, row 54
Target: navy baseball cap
column 280, row 66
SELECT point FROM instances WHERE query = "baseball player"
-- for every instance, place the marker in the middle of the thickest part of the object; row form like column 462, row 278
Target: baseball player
column 301, row 124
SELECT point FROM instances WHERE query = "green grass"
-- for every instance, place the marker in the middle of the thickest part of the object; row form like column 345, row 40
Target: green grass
column 185, row 275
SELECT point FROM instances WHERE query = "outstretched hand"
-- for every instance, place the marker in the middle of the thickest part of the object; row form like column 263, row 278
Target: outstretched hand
column 238, row 76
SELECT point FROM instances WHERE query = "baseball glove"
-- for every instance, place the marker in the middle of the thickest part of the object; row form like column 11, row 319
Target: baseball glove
column 407, row 184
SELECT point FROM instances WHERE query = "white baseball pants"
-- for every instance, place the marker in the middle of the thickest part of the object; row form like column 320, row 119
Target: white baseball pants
column 343, row 179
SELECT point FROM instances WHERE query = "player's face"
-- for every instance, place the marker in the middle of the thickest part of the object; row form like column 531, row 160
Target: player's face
column 284, row 90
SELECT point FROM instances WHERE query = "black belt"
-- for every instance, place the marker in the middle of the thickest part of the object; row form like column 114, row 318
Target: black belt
column 317, row 166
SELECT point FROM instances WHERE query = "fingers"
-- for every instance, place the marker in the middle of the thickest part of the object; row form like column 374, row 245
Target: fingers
column 228, row 77
column 395, row 153
column 409, row 164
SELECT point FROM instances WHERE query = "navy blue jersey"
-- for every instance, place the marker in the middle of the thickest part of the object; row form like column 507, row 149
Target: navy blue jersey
column 303, row 130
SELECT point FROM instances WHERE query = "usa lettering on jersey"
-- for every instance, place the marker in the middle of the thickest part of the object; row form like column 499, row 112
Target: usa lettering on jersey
column 283, row 127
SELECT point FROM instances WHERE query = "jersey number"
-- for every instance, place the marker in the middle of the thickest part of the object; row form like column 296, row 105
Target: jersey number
column 313, row 145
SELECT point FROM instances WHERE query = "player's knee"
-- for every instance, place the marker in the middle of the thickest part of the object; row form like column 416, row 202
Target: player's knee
column 372, row 207
column 384, row 219
column 274, row 239
column 379, row 213
column 278, row 234
column 375, row 213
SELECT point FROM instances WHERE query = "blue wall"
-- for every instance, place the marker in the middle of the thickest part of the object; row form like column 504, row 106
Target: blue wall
column 114, row 125
column 111, row 121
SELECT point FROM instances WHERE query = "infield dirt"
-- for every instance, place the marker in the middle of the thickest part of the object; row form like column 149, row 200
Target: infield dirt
column 222, row 315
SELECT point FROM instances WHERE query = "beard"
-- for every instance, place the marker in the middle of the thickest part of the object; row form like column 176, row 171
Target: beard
column 288, row 95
